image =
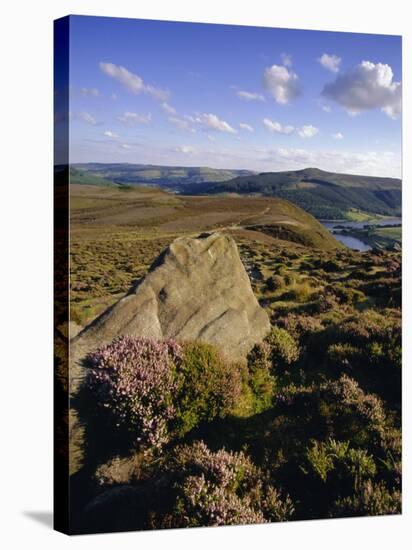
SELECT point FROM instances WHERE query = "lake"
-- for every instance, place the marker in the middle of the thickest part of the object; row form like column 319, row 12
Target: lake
column 353, row 242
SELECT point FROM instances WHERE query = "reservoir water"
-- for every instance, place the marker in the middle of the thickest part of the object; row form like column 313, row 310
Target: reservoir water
column 352, row 242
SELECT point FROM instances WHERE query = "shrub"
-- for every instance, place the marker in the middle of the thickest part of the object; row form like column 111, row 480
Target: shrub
column 348, row 466
column 154, row 390
column 221, row 488
column 325, row 302
column 372, row 499
column 365, row 406
column 261, row 382
column 300, row 292
column 338, row 409
column 274, row 283
column 284, row 350
column 209, row 386
column 341, row 354
column 331, row 266
column 368, row 345
column 134, row 379
column 347, row 295
column 300, row 327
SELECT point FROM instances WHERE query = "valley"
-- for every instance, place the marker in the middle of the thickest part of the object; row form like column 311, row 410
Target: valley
column 326, row 195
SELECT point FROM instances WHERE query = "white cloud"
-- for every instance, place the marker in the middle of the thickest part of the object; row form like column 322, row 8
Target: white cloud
column 168, row 108
column 338, row 135
column 133, row 119
column 131, row 81
column 330, row 62
column 210, row 121
column 262, row 159
column 181, row 123
column 186, row 149
column 249, row 96
column 245, row 126
column 378, row 163
column 367, row 86
column 276, row 127
column 308, row 131
column 93, row 92
column 110, row 134
column 326, row 108
column 286, row 59
column 281, row 83
column 87, row 118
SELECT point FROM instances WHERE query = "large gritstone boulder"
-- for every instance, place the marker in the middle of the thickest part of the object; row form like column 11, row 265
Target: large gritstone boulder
column 197, row 289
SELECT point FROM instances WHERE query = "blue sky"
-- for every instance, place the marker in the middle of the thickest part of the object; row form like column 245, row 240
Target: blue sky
column 234, row 97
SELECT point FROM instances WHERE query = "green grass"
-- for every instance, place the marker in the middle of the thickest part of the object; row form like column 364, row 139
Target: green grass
column 354, row 215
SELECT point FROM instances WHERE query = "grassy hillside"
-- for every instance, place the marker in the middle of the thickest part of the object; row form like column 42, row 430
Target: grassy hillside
column 324, row 194
column 117, row 232
column 167, row 176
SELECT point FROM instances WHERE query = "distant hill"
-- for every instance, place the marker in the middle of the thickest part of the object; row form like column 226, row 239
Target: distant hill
column 172, row 177
column 82, row 177
column 326, row 195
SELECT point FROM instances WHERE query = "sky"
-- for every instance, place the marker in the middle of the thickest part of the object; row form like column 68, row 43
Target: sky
column 237, row 97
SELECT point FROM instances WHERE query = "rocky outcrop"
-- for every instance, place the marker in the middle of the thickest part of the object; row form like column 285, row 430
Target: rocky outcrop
column 196, row 289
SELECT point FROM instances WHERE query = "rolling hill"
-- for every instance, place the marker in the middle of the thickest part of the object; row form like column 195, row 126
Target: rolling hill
column 326, row 195
column 82, row 177
column 154, row 210
column 173, row 177
column 117, row 232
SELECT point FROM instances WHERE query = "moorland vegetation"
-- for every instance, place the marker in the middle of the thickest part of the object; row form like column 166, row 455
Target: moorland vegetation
column 177, row 435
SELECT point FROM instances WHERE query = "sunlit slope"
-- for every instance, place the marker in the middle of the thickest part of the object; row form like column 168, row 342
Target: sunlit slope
column 323, row 194
column 154, row 210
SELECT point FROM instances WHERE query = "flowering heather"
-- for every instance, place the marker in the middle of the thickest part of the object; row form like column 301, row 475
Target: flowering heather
column 207, row 503
column 134, row 378
column 373, row 499
column 222, row 467
column 222, row 488
column 368, row 406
